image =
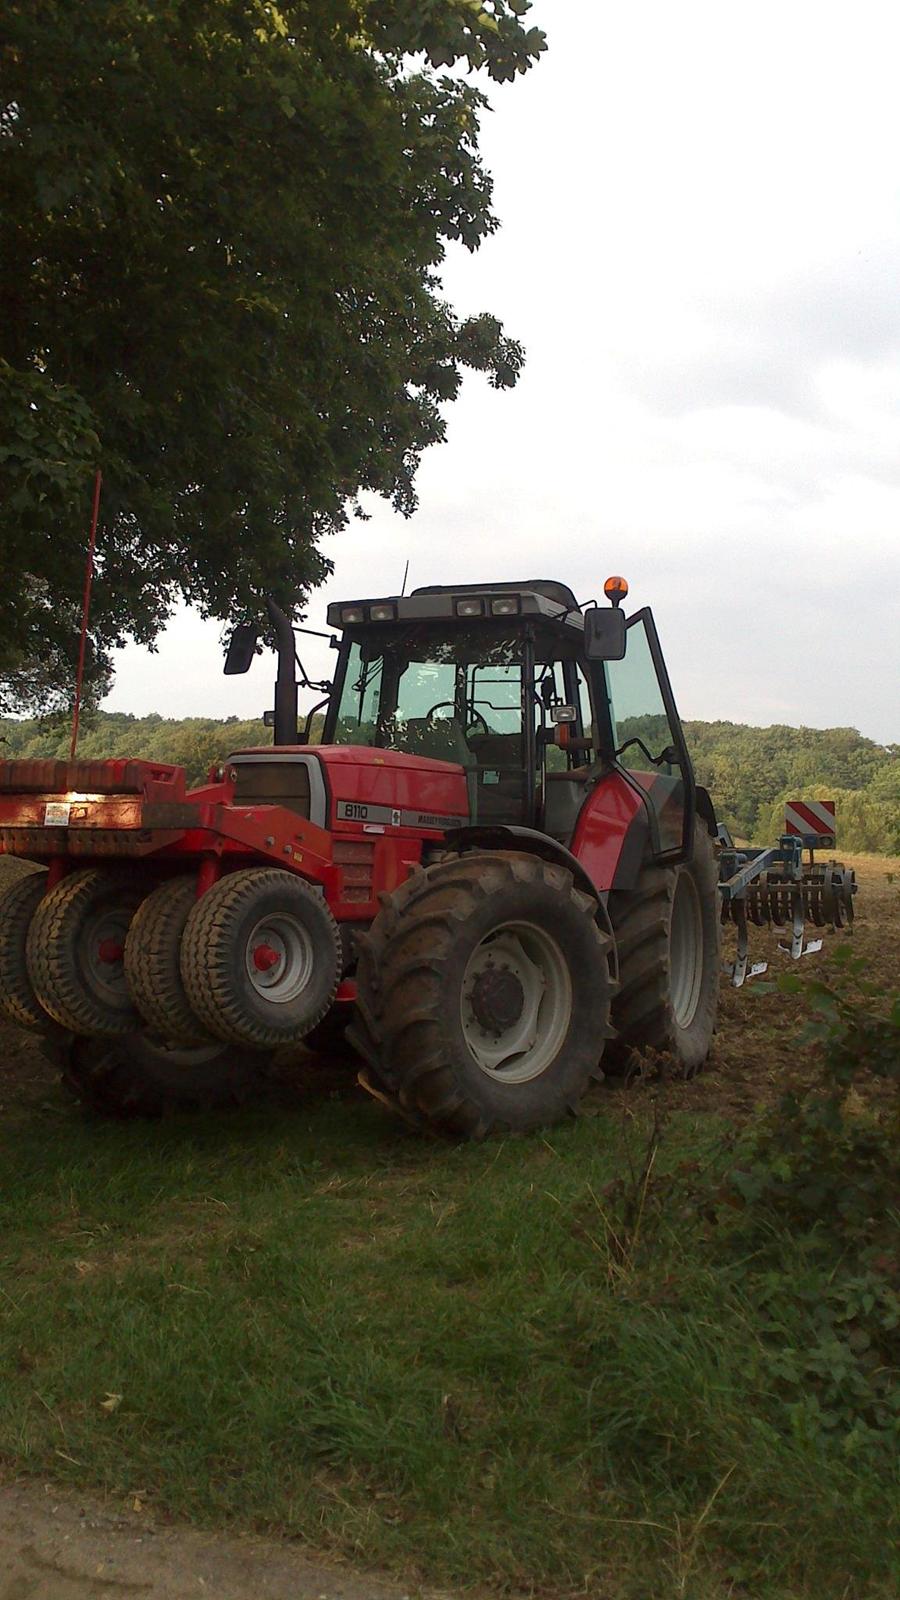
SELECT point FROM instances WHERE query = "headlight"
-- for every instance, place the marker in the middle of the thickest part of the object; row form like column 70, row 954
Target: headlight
column 469, row 608
column 384, row 612
column 351, row 614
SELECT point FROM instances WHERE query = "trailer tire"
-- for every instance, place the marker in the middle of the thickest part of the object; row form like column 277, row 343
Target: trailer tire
column 75, row 951
column 261, row 958
column 668, row 939
column 139, row 1076
column 153, row 962
column 484, row 993
column 18, row 1002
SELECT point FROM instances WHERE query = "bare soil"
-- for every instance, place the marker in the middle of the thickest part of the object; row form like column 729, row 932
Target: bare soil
column 54, row 1546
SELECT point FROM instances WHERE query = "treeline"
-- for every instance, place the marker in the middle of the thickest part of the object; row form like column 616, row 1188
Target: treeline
column 749, row 771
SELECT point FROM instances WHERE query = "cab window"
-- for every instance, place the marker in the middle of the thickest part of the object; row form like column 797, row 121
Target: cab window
column 645, row 741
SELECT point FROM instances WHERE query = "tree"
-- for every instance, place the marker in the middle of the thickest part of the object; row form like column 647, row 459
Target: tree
column 221, row 230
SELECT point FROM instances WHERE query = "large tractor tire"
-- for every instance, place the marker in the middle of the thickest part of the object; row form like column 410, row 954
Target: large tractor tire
column 668, row 939
column 153, row 962
column 75, row 951
column 18, row 1002
column 140, row 1076
column 484, row 995
column 261, row 958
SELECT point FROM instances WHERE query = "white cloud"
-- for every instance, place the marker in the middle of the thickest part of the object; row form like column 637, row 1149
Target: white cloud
column 701, row 251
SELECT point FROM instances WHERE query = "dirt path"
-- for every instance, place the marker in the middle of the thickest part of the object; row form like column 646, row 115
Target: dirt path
column 55, row 1546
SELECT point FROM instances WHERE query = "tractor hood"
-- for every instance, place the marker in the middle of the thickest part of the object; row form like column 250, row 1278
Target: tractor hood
column 387, row 788
column 353, row 786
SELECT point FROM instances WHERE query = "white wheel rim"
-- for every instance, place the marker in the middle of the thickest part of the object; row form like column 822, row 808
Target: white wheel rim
column 685, row 951
column 519, row 974
column 279, row 958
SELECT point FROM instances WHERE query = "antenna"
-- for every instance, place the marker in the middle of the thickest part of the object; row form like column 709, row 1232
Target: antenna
column 405, row 576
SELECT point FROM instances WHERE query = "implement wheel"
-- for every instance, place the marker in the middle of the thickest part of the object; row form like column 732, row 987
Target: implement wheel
column 153, row 962
column 18, row 1001
column 668, row 938
column 261, row 958
column 76, row 947
column 484, row 994
column 140, row 1076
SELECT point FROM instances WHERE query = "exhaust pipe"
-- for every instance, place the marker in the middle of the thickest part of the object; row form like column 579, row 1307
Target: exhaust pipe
column 285, row 729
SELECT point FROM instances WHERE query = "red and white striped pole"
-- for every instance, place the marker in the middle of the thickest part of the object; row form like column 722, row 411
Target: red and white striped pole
column 85, row 613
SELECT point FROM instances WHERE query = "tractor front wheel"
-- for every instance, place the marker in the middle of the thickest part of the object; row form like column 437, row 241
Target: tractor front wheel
column 668, row 940
column 484, row 994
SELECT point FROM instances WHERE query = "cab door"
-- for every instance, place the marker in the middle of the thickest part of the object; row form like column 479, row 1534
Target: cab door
column 648, row 739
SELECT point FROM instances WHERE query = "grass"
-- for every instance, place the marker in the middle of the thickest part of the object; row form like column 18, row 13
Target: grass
column 541, row 1364
column 453, row 1361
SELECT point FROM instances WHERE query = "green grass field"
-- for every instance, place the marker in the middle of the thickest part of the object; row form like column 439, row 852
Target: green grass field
column 543, row 1364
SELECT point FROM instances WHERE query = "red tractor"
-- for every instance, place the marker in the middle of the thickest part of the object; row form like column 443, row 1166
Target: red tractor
column 495, row 872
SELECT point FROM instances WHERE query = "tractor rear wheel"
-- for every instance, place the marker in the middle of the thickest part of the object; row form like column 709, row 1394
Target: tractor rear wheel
column 140, row 1076
column 153, row 962
column 261, row 957
column 484, row 994
column 668, row 940
column 18, row 1002
column 75, row 951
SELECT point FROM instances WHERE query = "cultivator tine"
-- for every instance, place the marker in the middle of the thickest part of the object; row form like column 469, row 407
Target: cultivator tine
column 741, row 968
column 797, row 948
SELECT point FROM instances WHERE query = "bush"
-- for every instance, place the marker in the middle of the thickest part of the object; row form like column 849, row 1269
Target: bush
column 823, row 1168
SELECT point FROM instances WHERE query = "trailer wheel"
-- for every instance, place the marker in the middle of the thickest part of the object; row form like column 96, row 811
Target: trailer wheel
column 484, row 994
column 261, row 958
column 153, row 962
column 140, row 1076
column 668, row 938
column 18, row 1002
column 75, row 951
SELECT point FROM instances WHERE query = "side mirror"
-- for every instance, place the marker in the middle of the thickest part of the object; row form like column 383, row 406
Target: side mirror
column 604, row 633
column 241, row 649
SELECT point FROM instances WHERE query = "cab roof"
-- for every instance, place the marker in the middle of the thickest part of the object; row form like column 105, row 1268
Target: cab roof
column 544, row 598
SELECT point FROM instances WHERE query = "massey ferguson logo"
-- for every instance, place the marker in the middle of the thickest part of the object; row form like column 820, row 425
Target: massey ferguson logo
column 394, row 816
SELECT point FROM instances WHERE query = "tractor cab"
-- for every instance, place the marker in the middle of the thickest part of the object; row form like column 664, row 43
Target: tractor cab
column 517, row 685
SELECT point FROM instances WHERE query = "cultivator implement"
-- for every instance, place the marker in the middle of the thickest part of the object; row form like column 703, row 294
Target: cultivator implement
column 776, row 887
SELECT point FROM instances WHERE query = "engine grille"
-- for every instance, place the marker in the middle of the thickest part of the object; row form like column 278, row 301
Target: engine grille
column 273, row 783
column 356, row 858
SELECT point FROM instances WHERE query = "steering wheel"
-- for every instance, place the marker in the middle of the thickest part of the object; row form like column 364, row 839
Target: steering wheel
column 476, row 715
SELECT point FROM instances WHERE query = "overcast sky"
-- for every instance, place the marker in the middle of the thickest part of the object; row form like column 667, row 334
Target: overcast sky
column 701, row 252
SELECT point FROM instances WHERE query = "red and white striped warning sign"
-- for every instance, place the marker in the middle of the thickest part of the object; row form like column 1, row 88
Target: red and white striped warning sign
column 812, row 819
